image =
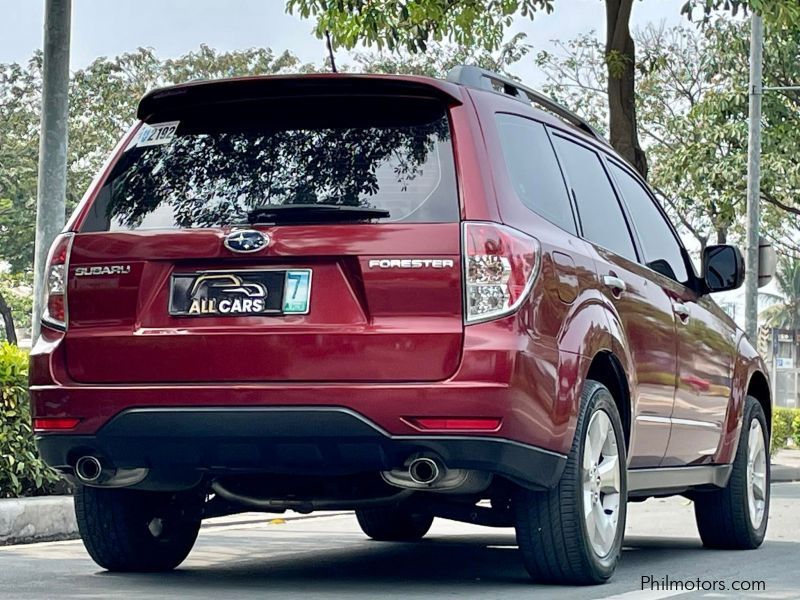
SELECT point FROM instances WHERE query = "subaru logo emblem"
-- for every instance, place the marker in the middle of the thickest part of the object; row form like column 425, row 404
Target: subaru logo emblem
column 246, row 240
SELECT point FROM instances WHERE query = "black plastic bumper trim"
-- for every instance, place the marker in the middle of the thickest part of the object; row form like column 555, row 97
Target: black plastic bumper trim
column 179, row 445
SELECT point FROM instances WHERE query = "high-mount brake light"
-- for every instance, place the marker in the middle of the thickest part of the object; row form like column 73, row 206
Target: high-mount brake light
column 501, row 265
column 54, row 297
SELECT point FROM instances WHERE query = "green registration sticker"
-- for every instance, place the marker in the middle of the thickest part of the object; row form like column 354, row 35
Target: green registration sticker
column 296, row 292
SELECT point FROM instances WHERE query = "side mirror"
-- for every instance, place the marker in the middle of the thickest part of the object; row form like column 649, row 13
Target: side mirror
column 767, row 262
column 723, row 268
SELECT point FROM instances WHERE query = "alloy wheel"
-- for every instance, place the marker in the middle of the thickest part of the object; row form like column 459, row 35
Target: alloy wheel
column 756, row 473
column 601, row 483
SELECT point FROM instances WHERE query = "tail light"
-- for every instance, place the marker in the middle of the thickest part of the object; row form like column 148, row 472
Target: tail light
column 54, row 299
column 500, row 267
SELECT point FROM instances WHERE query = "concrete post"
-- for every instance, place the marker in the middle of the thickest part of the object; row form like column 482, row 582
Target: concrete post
column 52, row 183
column 753, row 179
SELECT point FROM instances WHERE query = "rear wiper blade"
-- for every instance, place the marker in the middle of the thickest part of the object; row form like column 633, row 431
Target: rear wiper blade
column 313, row 213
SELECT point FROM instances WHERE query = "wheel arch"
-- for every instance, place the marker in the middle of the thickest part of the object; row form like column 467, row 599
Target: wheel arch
column 606, row 368
column 749, row 379
column 595, row 333
column 758, row 388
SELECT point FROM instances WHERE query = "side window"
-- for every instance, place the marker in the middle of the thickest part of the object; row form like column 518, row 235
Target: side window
column 662, row 252
column 598, row 208
column 533, row 169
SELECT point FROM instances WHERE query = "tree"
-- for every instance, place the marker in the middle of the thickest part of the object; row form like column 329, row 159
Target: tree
column 103, row 99
column 692, row 105
column 20, row 93
column 783, row 13
column 20, row 87
column 8, row 321
column 784, row 313
column 414, row 24
column 439, row 58
column 16, row 304
column 709, row 167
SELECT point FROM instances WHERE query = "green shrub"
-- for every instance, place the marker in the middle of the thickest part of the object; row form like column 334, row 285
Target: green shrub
column 796, row 428
column 22, row 473
column 782, row 421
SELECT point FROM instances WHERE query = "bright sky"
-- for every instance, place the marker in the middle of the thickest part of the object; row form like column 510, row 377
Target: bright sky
column 173, row 27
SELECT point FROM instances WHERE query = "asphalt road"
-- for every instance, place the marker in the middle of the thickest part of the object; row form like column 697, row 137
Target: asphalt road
column 328, row 557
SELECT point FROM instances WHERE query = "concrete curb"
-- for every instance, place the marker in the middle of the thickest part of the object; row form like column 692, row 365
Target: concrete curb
column 784, row 473
column 43, row 519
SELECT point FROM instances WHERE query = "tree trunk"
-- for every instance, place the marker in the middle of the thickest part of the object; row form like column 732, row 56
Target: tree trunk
column 329, row 46
column 722, row 236
column 8, row 320
column 621, row 64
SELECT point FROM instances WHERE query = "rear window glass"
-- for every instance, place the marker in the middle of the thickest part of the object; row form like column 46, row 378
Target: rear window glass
column 211, row 167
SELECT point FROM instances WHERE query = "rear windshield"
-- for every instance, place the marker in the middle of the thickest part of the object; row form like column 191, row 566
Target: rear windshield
column 212, row 166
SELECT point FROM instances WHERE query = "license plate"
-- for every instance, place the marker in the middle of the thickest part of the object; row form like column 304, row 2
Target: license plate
column 240, row 293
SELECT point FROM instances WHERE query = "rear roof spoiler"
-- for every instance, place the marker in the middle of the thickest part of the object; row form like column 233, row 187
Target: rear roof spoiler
column 206, row 92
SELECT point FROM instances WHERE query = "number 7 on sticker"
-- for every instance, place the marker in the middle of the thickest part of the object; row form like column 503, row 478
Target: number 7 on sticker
column 295, row 278
column 296, row 292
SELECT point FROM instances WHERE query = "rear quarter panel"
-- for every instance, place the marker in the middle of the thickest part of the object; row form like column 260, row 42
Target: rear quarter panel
column 567, row 320
column 747, row 362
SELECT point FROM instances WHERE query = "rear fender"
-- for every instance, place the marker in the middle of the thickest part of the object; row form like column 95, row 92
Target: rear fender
column 591, row 328
column 748, row 362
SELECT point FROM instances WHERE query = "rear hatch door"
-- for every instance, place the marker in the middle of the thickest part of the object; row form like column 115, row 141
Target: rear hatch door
column 306, row 235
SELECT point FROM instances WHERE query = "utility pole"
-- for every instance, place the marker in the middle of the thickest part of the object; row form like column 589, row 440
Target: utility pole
column 753, row 178
column 52, row 181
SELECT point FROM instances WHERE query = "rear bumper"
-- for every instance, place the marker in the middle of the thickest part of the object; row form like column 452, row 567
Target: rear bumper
column 180, row 446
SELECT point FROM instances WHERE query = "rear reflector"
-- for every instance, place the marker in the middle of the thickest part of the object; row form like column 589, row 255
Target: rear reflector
column 501, row 264
column 456, row 424
column 54, row 424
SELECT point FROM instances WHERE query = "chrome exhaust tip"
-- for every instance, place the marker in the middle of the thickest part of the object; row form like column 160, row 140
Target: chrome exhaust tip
column 99, row 472
column 424, row 471
column 89, row 469
column 430, row 474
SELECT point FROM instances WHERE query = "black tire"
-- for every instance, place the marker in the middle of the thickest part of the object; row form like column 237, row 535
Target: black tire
column 394, row 524
column 551, row 530
column 723, row 516
column 119, row 529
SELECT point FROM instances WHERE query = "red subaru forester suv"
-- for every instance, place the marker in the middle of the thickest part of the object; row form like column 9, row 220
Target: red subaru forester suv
column 408, row 297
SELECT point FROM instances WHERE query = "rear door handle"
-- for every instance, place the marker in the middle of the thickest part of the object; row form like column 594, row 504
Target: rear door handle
column 680, row 309
column 615, row 283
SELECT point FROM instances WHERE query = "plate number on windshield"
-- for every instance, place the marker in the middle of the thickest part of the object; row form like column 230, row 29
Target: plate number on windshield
column 157, row 134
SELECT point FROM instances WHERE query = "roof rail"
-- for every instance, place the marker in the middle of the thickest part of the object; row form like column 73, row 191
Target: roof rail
column 481, row 79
